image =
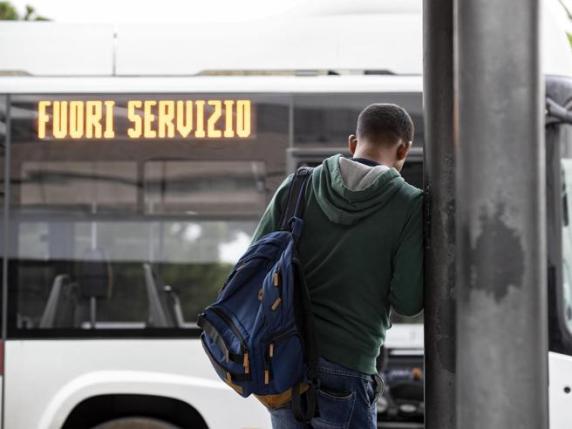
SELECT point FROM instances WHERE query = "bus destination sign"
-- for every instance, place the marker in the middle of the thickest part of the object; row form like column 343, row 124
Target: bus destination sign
column 144, row 119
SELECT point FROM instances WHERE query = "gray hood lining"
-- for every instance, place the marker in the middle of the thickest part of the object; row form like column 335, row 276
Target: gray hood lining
column 358, row 176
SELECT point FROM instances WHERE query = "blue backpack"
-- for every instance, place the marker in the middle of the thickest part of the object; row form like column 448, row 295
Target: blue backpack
column 259, row 334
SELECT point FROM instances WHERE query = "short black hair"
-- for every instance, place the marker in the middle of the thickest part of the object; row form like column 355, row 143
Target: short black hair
column 385, row 123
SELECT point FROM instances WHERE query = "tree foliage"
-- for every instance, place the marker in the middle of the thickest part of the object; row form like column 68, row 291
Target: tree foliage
column 9, row 13
column 569, row 14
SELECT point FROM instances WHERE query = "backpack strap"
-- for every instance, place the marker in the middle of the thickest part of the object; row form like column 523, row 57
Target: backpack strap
column 295, row 200
column 305, row 410
column 304, row 404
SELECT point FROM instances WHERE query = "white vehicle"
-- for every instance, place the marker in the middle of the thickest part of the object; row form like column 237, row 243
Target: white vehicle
column 134, row 172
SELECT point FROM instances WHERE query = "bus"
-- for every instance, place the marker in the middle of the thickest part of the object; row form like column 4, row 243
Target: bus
column 121, row 228
column 132, row 182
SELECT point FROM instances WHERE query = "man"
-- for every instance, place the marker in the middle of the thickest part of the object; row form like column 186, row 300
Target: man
column 361, row 249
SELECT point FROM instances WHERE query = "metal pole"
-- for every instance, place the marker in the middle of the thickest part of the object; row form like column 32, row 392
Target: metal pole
column 501, row 249
column 439, row 171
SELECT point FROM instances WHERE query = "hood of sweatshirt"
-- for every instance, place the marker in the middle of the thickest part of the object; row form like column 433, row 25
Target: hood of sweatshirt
column 348, row 191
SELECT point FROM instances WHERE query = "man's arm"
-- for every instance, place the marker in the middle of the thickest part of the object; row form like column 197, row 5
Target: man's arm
column 406, row 294
column 270, row 220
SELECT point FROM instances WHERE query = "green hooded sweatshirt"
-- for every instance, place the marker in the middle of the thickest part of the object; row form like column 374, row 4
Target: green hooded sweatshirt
column 362, row 253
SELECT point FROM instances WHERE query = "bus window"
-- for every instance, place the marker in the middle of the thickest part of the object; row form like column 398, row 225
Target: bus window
column 3, row 144
column 327, row 119
column 137, row 230
column 567, row 243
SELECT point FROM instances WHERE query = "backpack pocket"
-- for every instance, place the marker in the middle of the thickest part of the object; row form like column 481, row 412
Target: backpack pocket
column 283, row 361
column 227, row 346
column 236, row 381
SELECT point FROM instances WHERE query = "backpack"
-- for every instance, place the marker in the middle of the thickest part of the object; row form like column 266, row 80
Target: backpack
column 258, row 334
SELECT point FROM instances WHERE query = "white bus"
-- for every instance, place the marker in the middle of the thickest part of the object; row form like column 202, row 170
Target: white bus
column 117, row 237
column 134, row 171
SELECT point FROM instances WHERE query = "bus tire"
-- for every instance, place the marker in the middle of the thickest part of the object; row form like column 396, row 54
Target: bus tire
column 136, row 423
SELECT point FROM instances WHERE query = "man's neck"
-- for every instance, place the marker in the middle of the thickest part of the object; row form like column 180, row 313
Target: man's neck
column 365, row 161
column 375, row 158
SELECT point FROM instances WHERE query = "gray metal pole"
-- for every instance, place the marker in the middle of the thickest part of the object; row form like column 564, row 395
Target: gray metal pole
column 501, row 250
column 439, row 169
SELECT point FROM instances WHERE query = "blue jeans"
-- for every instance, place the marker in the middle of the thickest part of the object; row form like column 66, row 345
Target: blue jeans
column 346, row 400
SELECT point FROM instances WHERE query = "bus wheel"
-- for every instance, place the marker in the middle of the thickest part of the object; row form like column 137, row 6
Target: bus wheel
column 136, row 423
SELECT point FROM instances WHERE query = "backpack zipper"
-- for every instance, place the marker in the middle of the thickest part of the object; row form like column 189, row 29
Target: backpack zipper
column 236, row 331
column 269, row 353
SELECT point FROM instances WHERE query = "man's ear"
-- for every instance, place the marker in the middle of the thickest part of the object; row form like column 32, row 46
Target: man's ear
column 352, row 143
column 403, row 150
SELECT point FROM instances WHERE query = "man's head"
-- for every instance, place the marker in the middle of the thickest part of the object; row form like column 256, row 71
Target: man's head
column 384, row 133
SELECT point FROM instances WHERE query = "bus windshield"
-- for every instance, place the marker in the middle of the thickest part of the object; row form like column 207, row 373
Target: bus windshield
column 127, row 212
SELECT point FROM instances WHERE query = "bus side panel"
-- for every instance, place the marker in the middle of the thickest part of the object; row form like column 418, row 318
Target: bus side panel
column 79, row 369
column 560, row 390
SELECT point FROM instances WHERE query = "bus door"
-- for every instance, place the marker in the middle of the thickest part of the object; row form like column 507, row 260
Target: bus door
column 559, row 240
column 4, row 126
